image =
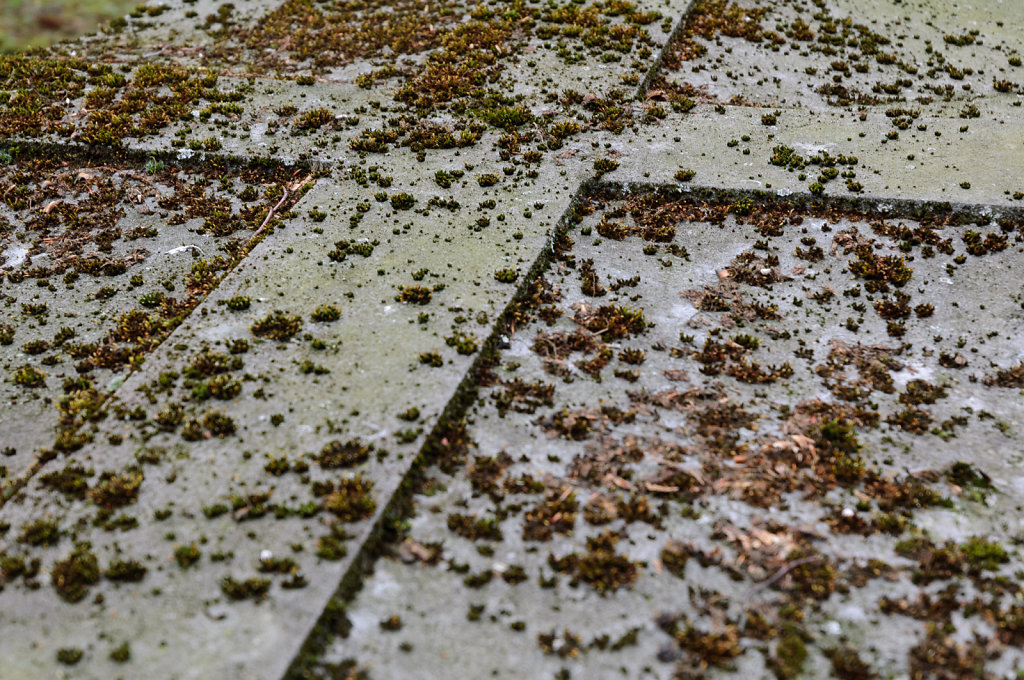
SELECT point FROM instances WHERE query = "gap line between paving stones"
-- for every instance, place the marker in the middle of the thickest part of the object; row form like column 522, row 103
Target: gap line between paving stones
column 185, row 158
column 397, row 506
column 906, row 208
column 670, row 42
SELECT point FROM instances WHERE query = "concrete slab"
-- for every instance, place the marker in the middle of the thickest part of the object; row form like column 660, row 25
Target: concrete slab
column 831, row 153
column 692, row 492
column 459, row 67
column 850, row 54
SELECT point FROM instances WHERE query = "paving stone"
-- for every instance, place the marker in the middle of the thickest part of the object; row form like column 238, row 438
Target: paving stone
column 683, row 474
column 507, row 72
column 979, row 167
column 860, row 54
column 900, row 94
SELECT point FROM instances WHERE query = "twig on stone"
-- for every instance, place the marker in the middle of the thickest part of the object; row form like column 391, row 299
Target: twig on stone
column 780, row 573
column 270, row 214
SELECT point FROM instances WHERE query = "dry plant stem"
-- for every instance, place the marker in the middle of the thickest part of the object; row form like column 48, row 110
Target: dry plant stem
column 780, row 573
column 270, row 214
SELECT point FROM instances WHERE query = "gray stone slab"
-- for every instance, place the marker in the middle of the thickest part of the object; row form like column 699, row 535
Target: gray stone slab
column 981, row 164
column 179, row 28
column 847, row 53
column 619, row 442
column 472, row 68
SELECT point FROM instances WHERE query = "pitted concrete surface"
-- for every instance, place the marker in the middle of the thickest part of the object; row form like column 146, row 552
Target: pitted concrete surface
column 655, row 339
column 667, row 465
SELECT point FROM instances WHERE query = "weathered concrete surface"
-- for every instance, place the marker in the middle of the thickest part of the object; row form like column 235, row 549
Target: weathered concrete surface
column 373, row 391
column 87, row 246
column 865, row 54
column 926, row 99
column 647, row 453
column 980, row 166
column 210, row 506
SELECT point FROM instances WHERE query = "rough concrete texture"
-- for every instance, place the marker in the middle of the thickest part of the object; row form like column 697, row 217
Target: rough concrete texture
column 609, row 339
column 639, row 500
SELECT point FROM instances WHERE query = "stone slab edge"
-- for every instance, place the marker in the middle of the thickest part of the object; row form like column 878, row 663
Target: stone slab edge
column 319, row 631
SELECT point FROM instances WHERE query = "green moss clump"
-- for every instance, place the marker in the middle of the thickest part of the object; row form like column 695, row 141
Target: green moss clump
column 69, row 656
column 506, row 275
column 600, row 567
column 121, row 654
column 326, row 313
column 219, row 387
column 982, row 554
column 614, row 321
column 313, row 119
column 40, row 532
column 352, row 500
column 966, row 475
column 29, row 376
column 509, row 117
column 402, row 201
column 130, row 571
column 73, row 576
column 603, row 166
column 432, row 358
column 337, row 454
column 249, row 589
column 674, row 557
column 839, row 449
column 880, row 270
column 790, row 656
column 331, row 548
column 463, row 343
column 238, row 303
column 213, row 424
column 115, row 490
column 411, row 414
column 373, row 141
column 847, row 665
column 468, row 526
column 187, row 555
column 71, row 481
column 12, row 566
column 340, row 252
column 277, row 325
column 414, row 294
